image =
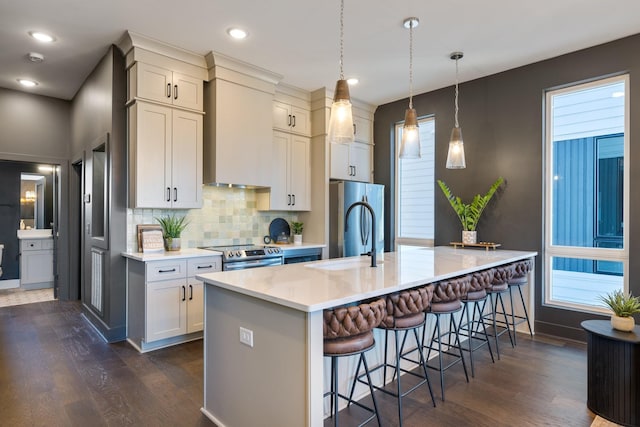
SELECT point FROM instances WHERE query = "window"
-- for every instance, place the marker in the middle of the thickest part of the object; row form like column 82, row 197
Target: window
column 587, row 192
column 415, row 189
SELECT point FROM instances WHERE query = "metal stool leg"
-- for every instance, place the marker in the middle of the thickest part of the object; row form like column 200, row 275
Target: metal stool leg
column 506, row 319
column 513, row 316
column 524, row 307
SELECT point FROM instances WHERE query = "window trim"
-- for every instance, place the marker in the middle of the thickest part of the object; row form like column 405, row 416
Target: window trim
column 553, row 251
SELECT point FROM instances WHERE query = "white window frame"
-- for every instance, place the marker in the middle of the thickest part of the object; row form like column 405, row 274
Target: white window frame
column 399, row 240
column 604, row 254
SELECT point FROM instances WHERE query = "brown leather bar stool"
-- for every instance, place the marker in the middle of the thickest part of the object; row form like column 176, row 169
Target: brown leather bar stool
column 498, row 286
column 347, row 332
column 446, row 301
column 405, row 313
column 519, row 278
column 475, row 328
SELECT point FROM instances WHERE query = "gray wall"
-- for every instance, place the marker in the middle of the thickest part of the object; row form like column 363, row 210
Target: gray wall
column 37, row 129
column 98, row 109
column 502, row 121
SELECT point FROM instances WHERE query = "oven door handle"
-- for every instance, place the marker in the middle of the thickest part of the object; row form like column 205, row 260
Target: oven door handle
column 240, row 265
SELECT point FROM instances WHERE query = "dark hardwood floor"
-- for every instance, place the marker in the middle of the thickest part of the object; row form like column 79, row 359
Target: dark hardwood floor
column 55, row 370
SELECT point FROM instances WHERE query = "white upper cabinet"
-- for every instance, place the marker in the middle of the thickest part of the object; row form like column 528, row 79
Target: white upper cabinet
column 165, row 157
column 291, row 118
column 362, row 130
column 351, row 161
column 290, row 175
column 158, row 84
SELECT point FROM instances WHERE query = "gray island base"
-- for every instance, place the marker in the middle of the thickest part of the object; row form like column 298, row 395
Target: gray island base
column 276, row 376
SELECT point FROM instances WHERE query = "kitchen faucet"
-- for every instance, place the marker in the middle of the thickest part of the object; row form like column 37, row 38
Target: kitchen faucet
column 372, row 254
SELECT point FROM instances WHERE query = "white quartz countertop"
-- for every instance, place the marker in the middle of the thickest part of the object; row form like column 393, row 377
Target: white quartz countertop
column 160, row 256
column 330, row 283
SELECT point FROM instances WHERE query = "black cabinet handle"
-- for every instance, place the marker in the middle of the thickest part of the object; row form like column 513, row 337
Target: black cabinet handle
column 355, row 170
column 175, row 194
column 294, row 122
column 294, row 200
column 289, row 122
column 190, row 292
column 175, row 92
column 167, row 271
column 354, row 129
column 289, row 196
column 168, row 194
column 184, row 293
column 204, row 266
column 168, row 90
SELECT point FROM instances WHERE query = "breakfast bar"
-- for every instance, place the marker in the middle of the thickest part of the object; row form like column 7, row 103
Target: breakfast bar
column 263, row 339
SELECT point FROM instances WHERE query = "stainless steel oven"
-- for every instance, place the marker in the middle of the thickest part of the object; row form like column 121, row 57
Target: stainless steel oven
column 241, row 257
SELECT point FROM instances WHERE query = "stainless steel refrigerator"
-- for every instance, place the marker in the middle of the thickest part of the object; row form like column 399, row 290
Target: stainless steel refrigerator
column 357, row 240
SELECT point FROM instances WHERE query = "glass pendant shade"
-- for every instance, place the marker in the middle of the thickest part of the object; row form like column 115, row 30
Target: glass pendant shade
column 455, row 156
column 341, row 120
column 410, row 145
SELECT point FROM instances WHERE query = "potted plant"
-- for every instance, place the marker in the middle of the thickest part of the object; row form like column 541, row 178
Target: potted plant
column 296, row 228
column 624, row 306
column 172, row 228
column 469, row 213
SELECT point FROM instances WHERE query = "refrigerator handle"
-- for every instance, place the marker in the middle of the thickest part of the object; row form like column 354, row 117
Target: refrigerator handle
column 363, row 224
column 367, row 223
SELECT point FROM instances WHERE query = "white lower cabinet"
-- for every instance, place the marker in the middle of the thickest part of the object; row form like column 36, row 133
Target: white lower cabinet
column 165, row 301
column 36, row 263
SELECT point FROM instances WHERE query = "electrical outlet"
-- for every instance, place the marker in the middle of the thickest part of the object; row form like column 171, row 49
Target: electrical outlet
column 246, row 336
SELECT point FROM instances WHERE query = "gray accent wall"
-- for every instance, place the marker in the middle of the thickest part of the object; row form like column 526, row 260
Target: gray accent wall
column 501, row 117
column 98, row 109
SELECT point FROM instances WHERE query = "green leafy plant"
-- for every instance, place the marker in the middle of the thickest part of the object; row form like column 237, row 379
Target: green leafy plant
column 623, row 305
column 297, row 227
column 172, row 226
column 469, row 213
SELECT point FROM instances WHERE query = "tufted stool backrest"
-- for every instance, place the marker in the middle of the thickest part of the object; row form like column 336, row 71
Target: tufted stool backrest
column 521, row 271
column 451, row 289
column 409, row 305
column 348, row 329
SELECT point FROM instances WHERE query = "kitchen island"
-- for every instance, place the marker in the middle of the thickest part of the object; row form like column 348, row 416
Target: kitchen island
column 275, row 377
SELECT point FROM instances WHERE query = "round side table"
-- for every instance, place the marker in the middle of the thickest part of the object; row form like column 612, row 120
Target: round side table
column 613, row 365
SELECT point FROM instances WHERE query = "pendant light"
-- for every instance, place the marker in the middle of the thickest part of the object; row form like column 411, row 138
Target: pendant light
column 341, row 120
column 410, row 145
column 455, row 156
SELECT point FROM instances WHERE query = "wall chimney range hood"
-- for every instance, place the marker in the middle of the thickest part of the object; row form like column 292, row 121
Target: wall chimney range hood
column 238, row 124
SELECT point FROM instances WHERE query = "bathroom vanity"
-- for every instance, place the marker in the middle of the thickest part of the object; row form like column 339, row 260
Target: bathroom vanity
column 36, row 258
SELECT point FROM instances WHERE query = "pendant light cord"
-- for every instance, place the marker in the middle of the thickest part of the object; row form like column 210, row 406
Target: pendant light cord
column 456, row 102
column 341, row 38
column 411, row 64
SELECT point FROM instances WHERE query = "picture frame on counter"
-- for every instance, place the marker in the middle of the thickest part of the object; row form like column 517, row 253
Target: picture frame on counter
column 145, row 227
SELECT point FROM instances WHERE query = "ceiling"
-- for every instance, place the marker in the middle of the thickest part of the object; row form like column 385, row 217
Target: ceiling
column 300, row 39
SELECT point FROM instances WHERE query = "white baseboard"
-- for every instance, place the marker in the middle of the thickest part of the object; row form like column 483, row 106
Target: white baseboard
column 9, row 284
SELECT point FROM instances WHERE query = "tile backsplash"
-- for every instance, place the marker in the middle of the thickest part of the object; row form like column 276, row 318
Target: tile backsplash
column 228, row 217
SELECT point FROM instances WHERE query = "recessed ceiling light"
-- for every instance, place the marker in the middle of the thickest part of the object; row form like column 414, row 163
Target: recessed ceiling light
column 237, row 33
column 353, row 81
column 27, row 82
column 40, row 36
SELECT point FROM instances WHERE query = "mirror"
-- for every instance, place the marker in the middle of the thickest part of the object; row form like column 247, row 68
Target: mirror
column 35, row 199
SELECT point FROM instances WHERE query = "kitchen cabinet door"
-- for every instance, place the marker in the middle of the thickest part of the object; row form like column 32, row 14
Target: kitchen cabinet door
column 195, row 305
column 165, row 157
column 150, row 155
column 300, row 173
column 290, row 175
column 360, row 159
column 362, row 130
column 166, row 306
column 162, row 85
column 291, row 118
column 340, row 167
column 186, row 160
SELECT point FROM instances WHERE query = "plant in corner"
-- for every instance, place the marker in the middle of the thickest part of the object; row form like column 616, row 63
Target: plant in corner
column 469, row 213
column 172, row 228
column 296, row 228
column 624, row 306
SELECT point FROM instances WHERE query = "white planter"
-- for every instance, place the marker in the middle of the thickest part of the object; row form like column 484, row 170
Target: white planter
column 297, row 239
column 624, row 324
column 469, row 237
